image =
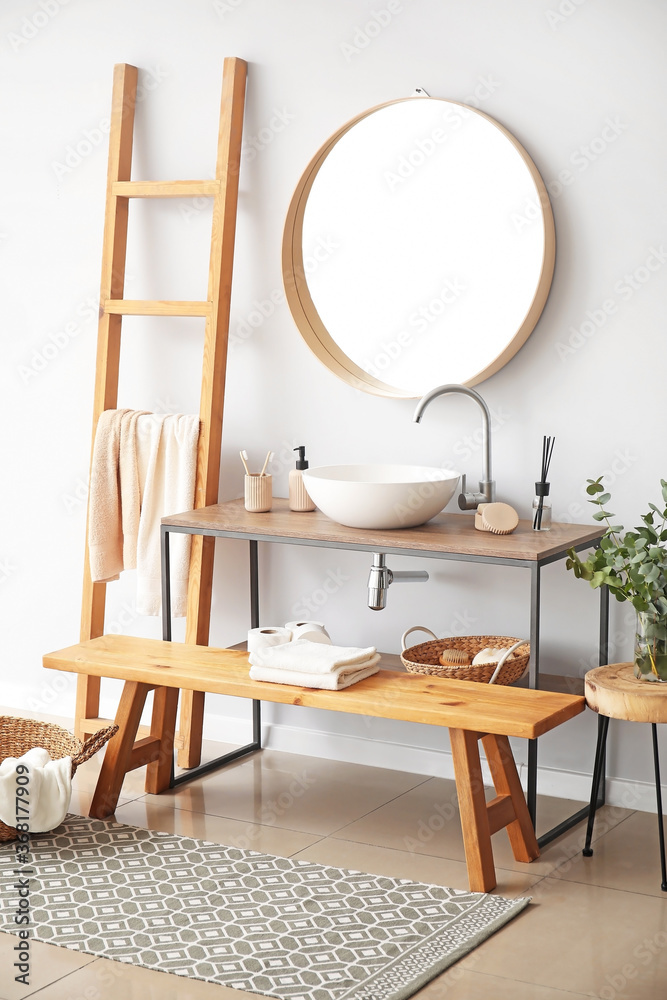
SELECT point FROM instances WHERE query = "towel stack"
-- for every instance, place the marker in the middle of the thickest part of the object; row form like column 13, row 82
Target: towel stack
column 314, row 665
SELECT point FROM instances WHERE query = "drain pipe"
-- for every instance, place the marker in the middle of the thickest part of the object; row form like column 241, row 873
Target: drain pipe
column 381, row 577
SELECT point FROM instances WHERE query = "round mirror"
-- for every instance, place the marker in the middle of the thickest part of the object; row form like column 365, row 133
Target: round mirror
column 419, row 248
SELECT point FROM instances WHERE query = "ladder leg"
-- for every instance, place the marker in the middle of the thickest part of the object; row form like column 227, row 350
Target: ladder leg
column 108, row 344
column 163, row 725
column 212, row 398
column 191, row 729
column 87, row 703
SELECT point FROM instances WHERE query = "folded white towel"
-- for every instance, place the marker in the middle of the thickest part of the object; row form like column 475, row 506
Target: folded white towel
column 332, row 681
column 105, row 533
column 49, row 788
column 167, row 461
column 311, row 657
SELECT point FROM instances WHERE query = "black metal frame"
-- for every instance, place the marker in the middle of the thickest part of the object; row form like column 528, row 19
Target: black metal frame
column 598, row 769
column 256, row 744
column 534, row 565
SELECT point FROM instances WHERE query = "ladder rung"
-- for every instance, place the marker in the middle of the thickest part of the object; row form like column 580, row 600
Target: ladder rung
column 153, row 307
column 165, row 189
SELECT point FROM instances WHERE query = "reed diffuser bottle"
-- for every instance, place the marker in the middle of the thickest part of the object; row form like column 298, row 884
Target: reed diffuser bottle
column 542, row 507
column 542, row 503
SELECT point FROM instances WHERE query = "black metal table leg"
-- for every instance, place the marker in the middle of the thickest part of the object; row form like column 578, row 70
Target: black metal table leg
column 256, row 744
column 658, row 796
column 603, row 728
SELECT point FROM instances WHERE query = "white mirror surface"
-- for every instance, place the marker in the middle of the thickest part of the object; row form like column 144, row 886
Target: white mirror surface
column 439, row 248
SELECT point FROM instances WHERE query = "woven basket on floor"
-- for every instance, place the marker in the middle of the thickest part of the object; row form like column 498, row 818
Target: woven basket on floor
column 17, row 736
column 425, row 658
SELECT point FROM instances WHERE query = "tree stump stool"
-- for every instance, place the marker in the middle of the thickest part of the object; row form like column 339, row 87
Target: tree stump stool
column 615, row 693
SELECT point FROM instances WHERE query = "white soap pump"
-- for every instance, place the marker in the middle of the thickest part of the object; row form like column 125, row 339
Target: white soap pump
column 298, row 495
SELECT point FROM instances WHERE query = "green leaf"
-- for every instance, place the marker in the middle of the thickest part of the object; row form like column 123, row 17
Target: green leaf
column 596, row 487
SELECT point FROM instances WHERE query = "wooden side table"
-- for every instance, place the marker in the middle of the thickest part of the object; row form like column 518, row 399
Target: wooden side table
column 615, row 693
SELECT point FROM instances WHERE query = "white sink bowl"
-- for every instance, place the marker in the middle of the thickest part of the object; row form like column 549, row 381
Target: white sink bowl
column 380, row 496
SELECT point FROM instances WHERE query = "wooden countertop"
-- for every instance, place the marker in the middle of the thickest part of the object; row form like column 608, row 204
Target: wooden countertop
column 453, row 534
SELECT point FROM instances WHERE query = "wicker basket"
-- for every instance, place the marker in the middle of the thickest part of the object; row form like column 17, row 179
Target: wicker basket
column 17, row 736
column 424, row 658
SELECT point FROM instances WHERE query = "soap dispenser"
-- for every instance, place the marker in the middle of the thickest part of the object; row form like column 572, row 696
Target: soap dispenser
column 298, row 495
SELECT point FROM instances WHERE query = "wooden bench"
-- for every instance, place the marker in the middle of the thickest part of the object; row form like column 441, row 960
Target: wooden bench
column 470, row 711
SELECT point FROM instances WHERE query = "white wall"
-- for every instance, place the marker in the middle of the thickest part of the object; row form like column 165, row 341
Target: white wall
column 555, row 72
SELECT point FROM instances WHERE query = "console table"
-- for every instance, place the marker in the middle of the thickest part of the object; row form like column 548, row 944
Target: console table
column 447, row 536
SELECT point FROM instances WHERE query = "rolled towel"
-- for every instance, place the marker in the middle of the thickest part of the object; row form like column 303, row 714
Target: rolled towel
column 311, row 657
column 333, row 681
column 49, row 788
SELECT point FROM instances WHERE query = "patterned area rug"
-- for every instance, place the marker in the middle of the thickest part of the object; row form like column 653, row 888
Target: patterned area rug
column 274, row 926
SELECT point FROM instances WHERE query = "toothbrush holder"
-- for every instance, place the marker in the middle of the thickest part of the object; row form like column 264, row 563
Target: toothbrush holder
column 258, row 492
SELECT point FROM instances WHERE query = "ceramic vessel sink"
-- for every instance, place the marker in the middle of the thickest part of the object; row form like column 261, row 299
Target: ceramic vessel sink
column 380, row 496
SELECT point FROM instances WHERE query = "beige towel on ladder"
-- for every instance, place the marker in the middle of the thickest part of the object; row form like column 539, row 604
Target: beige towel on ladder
column 105, row 533
column 167, row 461
column 130, row 485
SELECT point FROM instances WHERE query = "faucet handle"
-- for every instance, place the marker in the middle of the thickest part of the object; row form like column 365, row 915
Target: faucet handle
column 471, row 501
column 467, row 500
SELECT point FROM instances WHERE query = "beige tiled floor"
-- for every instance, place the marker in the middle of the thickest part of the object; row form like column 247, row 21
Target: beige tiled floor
column 596, row 927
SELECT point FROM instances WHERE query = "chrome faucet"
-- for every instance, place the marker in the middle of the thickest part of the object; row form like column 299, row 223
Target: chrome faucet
column 487, row 487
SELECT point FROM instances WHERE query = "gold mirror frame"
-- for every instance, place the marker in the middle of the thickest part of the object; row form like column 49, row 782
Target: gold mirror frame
column 303, row 309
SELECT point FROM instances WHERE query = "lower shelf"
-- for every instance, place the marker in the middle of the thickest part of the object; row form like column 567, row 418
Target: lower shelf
column 548, row 682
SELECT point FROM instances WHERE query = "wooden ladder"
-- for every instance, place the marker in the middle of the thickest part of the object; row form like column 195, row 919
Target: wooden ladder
column 156, row 745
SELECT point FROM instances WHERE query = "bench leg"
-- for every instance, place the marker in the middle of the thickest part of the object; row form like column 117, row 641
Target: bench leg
column 118, row 753
column 506, row 780
column 474, row 814
column 163, row 725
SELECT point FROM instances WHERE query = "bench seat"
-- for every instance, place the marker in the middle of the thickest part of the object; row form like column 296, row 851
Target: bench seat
column 472, row 712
